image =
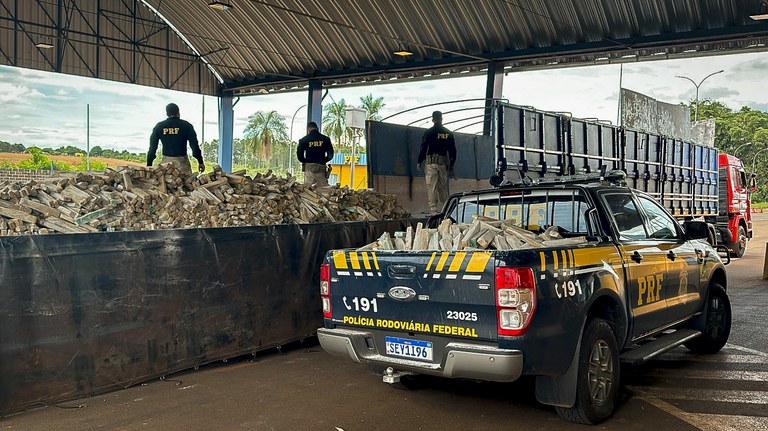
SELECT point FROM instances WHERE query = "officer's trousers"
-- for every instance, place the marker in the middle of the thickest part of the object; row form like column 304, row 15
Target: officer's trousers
column 437, row 186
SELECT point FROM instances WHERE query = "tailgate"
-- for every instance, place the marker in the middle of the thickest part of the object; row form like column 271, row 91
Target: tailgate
column 449, row 294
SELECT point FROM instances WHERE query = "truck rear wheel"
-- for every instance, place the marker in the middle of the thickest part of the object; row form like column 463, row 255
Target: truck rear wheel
column 740, row 246
column 717, row 323
column 598, row 380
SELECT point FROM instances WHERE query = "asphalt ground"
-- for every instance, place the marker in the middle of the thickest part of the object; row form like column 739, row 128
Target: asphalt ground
column 307, row 389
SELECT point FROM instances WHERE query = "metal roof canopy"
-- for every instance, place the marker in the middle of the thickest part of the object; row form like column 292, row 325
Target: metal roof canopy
column 271, row 45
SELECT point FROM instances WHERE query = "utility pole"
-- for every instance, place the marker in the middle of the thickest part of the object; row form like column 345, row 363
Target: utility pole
column 696, row 107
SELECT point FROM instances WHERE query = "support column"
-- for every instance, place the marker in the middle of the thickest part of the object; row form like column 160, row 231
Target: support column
column 226, row 128
column 493, row 89
column 315, row 103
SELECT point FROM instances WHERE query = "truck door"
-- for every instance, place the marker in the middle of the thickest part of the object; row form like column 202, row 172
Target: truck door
column 644, row 260
column 682, row 275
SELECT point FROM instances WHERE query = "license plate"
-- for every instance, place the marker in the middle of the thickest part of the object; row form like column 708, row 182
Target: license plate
column 413, row 349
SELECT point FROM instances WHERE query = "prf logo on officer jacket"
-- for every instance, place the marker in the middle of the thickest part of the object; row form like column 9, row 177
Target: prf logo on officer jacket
column 170, row 131
column 442, row 135
column 315, row 144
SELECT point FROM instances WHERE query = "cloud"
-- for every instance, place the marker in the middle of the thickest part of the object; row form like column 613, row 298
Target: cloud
column 122, row 114
column 717, row 93
column 18, row 94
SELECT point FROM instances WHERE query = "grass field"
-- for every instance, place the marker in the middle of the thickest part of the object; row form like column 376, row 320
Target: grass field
column 72, row 160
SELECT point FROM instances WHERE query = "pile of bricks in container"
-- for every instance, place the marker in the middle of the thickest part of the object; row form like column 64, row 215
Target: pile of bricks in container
column 161, row 197
column 483, row 233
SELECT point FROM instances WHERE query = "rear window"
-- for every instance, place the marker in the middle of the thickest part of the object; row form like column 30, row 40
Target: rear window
column 534, row 210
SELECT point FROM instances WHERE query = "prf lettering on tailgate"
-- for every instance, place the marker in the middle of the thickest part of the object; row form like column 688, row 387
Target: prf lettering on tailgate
column 649, row 288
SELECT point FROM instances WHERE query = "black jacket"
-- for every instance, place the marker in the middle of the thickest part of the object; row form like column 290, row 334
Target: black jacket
column 315, row 148
column 438, row 140
column 174, row 134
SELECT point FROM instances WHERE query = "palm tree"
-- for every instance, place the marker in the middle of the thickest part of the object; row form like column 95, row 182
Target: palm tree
column 265, row 130
column 334, row 124
column 372, row 107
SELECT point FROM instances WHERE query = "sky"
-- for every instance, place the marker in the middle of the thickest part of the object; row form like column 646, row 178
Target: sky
column 49, row 110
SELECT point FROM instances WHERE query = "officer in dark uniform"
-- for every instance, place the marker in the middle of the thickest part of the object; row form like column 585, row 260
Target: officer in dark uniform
column 314, row 151
column 438, row 149
column 174, row 133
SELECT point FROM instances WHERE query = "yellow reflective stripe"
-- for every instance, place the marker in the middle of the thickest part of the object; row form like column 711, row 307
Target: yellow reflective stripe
column 573, row 257
column 565, row 259
column 457, row 261
column 543, row 261
column 366, row 262
column 340, row 260
column 593, row 256
column 554, row 255
column 478, row 260
column 431, row 259
column 441, row 262
column 354, row 260
column 375, row 261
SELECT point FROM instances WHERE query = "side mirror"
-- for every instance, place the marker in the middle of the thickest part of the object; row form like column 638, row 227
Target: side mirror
column 752, row 182
column 697, row 229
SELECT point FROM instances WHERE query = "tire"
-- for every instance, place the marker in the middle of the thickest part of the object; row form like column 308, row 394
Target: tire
column 740, row 246
column 598, row 380
column 717, row 323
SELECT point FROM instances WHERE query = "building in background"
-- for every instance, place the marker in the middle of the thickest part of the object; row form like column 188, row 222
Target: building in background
column 341, row 165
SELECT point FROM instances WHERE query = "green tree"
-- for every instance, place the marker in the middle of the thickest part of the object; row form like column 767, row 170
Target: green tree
column 372, row 106
column 334, row 123
column 38, row 160
column 741, row 133
column 96, row 151
column 210, row 150
column 95, row 165
column 264, row 131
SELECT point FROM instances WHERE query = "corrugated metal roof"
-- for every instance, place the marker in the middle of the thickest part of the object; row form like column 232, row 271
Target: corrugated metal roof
column 280, row 44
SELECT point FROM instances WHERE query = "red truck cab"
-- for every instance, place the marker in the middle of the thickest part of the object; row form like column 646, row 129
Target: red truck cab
column 735, row 211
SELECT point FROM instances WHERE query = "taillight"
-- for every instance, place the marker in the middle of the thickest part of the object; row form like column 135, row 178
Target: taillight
column 325, row 289
column 515, row 300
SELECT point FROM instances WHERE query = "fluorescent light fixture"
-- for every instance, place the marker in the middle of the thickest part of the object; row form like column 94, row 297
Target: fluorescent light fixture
column 43, row 45
column 761, row 17
column 601, row 58
column 402, row 52
column 219, row 5
column 263, row 91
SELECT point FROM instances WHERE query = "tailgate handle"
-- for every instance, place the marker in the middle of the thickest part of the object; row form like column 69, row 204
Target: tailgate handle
column 401, row 272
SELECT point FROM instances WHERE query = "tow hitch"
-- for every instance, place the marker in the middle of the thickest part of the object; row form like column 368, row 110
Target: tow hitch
column 391, row 376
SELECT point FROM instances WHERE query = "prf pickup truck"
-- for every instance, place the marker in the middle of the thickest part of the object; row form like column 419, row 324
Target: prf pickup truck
column 641, row 285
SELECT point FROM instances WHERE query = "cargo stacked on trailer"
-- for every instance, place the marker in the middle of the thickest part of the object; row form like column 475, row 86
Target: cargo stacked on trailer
column 690, row 180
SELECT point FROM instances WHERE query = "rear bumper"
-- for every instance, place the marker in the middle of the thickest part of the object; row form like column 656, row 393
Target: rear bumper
column 460, row 360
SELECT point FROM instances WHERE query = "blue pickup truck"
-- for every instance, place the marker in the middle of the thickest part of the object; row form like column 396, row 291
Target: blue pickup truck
column 640, row 284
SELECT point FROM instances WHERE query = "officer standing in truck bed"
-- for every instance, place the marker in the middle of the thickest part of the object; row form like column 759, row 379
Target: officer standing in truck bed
column 438, row 149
